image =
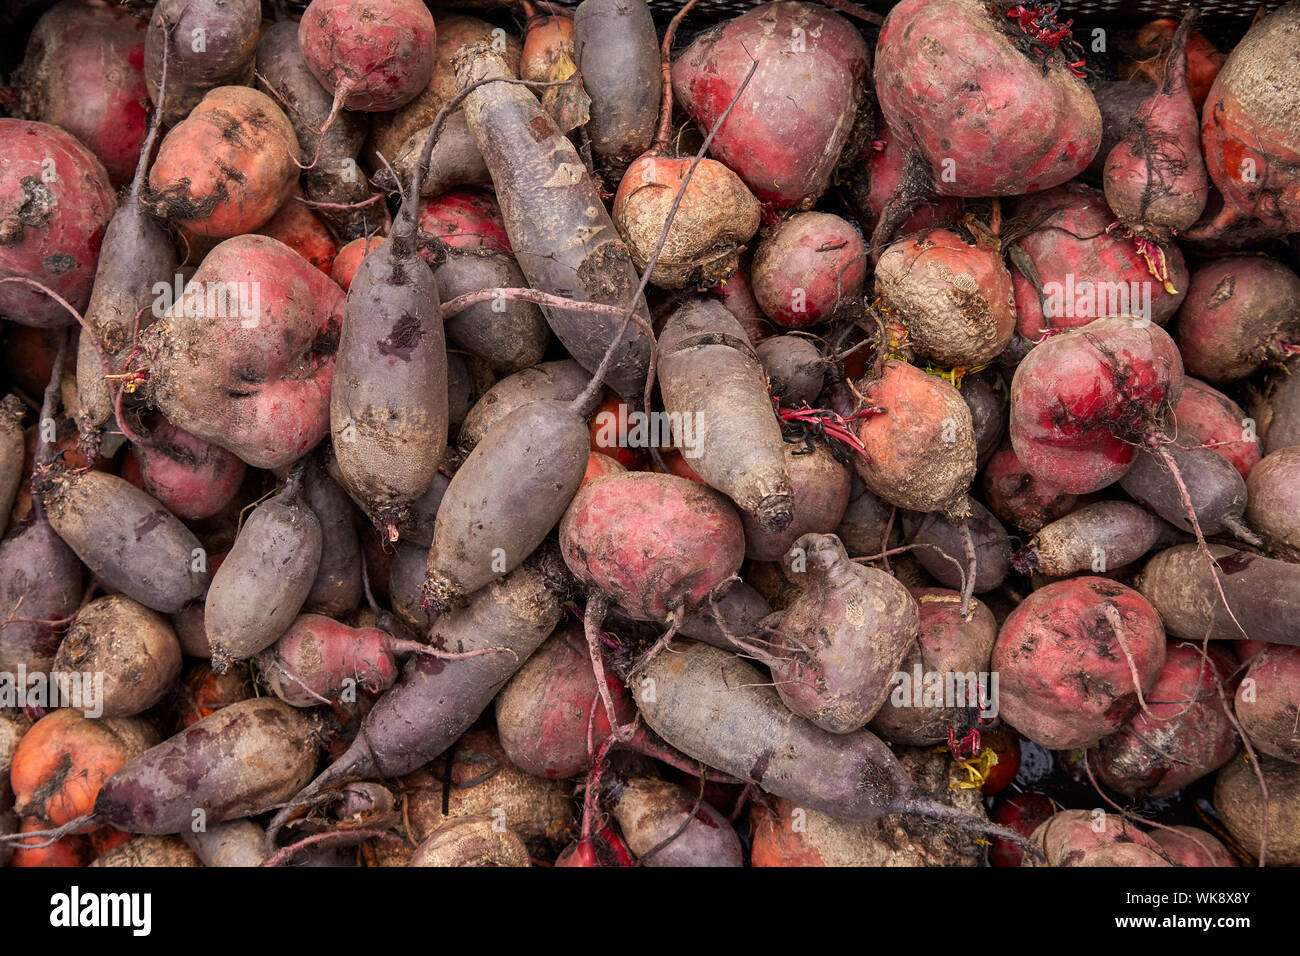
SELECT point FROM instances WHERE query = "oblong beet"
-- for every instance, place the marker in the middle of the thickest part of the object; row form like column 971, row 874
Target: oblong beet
column 237, row 762
column 1262, row 592
column 264, row 580
column 547, row 199
column 710, row 375
column 654, row 543
column 505, row 499
column 42, row 572
column 129, row 540
column 723, row 711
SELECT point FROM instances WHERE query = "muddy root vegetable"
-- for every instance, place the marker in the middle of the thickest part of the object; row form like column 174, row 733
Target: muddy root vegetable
column 264, row 580
column 55, row 203
column 436, row 700
column 954, row 299
column 1268, row 700
column 919, row 450
column 245, row 359
column 709, row 372
column 715, row 215
column 536, row 170
column 843, row 638
column 236, row 763
column 83, row 73
column 785, row 156
column 224, row 58
column 63, row 760
column 192, row 478
column 1208, row 417
column 227, row 167
column 1261, row 592
column 372, row 55
column 720, row 710
column 1020, row 499
column 40, row 581
column 483, row 780
column 1274, row 502
column 946, row 644
column 1101, row 536
column 318, row 659
column 979, row 534
column 129, row 540
column 133, row 648
column 536, row 454
column 337, row 587
column 616, row 48
column 388, row 402
column 333, row 175
column 656, row 544
column 1084, row 400
column 472, row 841
column 820, row 487
column 1238, row 801
column 1185, row 736
column 982, row 116
column 1249, row 135
column 1240, row 313
column 808, row 269
column 1155, row 178
column 1074, row 658
column 509, row 335
column 1074, row 265
column 1078, row 838
column 650, row 812
column 1214, row 487
column 1190, row 846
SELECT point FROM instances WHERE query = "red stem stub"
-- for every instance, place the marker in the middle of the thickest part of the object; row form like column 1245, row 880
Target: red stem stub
column 833, row 428
column 1044, row 33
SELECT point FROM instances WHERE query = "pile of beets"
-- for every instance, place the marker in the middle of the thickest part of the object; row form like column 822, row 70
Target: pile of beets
column 819, row 437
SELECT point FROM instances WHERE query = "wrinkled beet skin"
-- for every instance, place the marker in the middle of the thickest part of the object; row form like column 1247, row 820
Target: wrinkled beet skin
column 951, row 80
column 50, row 231
column 785, row 155
column 1080, row 398
column 1250, row 121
